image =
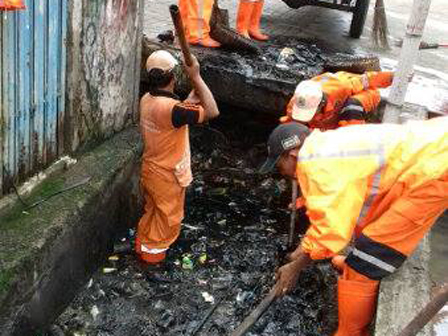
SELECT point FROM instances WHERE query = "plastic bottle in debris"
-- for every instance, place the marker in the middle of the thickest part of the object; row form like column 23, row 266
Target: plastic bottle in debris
column 187, row 263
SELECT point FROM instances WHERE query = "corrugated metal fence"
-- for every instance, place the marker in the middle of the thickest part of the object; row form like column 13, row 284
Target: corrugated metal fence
column 32, row 91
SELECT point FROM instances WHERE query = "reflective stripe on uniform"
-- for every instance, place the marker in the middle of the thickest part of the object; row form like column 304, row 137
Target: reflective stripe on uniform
column 374, row 260
column 381, row 152
column 365, row 81
column 144, row 249
column 340, row 154
column 201, row 19
column 352, row 108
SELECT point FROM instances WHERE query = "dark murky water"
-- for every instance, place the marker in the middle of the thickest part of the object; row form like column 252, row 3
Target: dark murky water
column 233, row 238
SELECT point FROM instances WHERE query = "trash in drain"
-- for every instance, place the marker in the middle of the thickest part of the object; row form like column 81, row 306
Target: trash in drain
column 223, row 264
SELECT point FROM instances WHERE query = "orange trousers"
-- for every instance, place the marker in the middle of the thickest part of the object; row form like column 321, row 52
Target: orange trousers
column 196, row 16
column 383, row 246
column 164, row 210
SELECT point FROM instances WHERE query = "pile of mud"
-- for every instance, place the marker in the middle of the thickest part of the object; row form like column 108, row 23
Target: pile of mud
column 233, row 237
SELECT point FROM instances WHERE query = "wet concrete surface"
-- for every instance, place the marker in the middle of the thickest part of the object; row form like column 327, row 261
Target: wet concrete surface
column 233, row 237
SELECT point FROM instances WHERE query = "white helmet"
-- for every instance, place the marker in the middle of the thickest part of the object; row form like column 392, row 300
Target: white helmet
column 307, row 98
column 162, row 60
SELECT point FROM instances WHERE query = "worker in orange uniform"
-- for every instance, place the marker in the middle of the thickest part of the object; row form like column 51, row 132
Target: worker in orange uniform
column 12, row 4
column 331, row 100
column 166, row 169
column 380, row 186
column 196, row 16
column 248, row 19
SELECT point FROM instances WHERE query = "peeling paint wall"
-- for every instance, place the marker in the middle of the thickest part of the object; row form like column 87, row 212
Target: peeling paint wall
column 104, row 47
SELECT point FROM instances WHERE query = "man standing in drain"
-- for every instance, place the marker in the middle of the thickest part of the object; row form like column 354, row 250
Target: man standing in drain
column 166, row 168
column 381, row 187
column 332, row 100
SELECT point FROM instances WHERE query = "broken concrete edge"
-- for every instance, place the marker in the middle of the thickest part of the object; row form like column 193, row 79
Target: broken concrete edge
column 405, row 293
column 47, row 253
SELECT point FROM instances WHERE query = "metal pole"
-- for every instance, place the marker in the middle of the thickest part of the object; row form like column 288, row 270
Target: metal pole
column 408, row 57
column 427, row 313
column 292, row 223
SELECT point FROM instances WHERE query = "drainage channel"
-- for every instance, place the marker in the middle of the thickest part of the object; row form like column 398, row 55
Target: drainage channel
column 233, row 238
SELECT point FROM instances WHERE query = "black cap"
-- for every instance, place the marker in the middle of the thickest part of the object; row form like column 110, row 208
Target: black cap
column 283, row 138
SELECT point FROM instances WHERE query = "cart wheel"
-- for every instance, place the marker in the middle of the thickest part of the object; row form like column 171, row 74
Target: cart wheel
column 359, row 18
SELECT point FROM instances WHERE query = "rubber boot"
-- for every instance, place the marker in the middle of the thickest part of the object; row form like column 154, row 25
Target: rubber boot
column 149, row 258
column 357, row 303
column 208, row 42
column 243, row 18
column 254, row 27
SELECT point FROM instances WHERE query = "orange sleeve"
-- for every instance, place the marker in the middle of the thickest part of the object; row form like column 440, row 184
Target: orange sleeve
column 187, row 114
column 369, row 99
column 379, row 79
column 333, row 202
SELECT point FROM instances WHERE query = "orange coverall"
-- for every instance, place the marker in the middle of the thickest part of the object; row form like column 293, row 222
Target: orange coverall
column 12, row 4
column 165, row 173
column 196, row 16
column 382, row 186
column 349, row 98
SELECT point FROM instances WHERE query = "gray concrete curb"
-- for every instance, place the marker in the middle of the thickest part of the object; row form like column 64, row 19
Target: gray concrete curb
column 51, row 251
column 403, row 294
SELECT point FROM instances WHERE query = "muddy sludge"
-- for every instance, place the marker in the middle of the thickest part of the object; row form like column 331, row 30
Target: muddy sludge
column 234, row 233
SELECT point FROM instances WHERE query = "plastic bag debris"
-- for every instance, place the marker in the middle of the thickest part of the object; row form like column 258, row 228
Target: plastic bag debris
column 208, row 298
column 94, row 311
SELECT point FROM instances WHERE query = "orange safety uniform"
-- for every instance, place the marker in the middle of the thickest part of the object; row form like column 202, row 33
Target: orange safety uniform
column 166, row 170
column 12, row 4
column 196, row 16
column 380, row 186
column 348, row 98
